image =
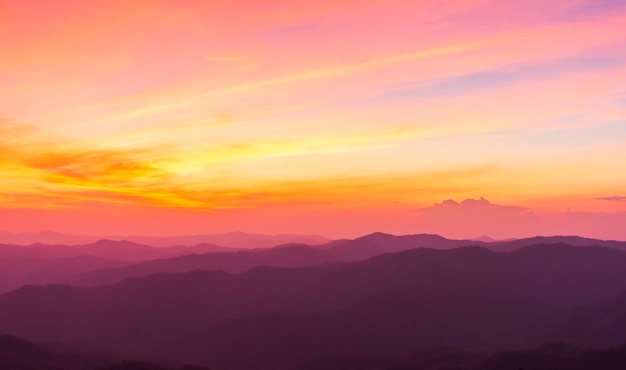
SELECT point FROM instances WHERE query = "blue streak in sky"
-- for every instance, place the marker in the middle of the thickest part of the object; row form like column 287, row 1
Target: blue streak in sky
column 461, row 84
column 592, row 8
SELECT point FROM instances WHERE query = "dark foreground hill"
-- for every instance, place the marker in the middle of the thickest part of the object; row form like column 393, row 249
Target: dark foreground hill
column 601, row 324
column 19, row 354
column 549, row 357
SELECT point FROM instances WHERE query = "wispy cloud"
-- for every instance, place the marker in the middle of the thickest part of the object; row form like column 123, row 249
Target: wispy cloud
column 494, row 78
column 614, row 198
column 60, row 172
column 591, row 8
column 292, row 30
column 471, row 206
column 466, row 218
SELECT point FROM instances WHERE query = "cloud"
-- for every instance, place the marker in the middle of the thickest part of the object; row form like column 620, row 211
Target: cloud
column 471, row 206
column 473, row 217
column 44, row 172
column 291, row 30
column 13, row 131
column 614, row 198
column 502, row 76
column 49, row 173
column 591, row 8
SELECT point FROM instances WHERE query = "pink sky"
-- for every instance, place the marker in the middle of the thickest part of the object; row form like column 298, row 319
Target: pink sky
column 340, row 118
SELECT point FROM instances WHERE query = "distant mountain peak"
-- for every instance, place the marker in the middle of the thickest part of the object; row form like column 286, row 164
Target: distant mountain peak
column 106, row 242
column 375, row 235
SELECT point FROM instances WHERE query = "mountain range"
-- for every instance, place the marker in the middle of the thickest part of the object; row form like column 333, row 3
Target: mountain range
column 109, row 261
column 379, row 299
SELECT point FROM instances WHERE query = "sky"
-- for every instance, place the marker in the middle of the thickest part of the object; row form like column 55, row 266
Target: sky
column 504, row 118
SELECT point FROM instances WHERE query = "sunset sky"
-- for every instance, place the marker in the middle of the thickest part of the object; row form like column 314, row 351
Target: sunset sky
column 337, row 118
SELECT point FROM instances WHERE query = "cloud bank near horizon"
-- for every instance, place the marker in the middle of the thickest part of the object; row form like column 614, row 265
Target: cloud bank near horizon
column 472, row 218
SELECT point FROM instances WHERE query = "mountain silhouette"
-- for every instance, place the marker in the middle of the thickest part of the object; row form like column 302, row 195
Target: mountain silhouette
column 105, row 249
column 19, row 354
column 145, row 259
column 293, row 255
column 378, row 243
column 139, row 312
column 577, row 241
column 232, row 240
column 283, row 256
column 470, row 297
column 601, row 324
column 547, row 357
column 236, row 240
column 18, row 271
column 288, row 339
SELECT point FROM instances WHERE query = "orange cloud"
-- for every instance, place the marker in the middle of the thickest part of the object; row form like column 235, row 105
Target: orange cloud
column 62, row 172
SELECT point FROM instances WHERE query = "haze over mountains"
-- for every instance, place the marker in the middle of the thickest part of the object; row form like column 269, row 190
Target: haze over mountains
column 237, row 240
column 46, row 261
column 294, row 305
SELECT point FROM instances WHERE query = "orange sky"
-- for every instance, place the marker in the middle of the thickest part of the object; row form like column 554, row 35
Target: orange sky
column 338, row 118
